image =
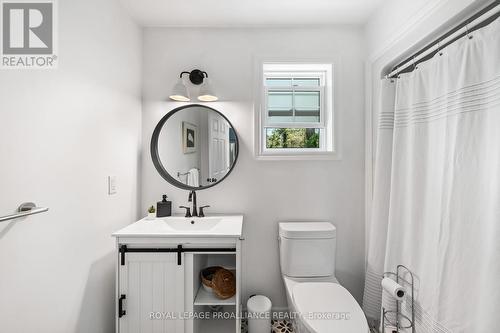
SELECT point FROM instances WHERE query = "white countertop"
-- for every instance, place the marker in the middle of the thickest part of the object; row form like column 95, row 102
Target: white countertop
column 212, row 226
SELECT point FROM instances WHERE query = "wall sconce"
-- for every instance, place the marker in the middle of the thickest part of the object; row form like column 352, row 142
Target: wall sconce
column 180, row 92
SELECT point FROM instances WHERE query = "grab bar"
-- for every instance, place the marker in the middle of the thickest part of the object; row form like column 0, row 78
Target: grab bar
column 185, row 173
column 26, row 209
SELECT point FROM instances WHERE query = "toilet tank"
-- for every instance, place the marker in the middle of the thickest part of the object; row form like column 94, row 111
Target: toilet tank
column 307, row 249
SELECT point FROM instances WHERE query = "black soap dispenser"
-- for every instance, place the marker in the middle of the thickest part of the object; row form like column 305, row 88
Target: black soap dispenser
column 164, row 207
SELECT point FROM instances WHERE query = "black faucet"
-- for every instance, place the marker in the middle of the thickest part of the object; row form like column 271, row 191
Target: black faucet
column 192, row 198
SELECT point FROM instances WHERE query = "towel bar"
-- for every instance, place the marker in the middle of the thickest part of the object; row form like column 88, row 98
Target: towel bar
column 184, row 173
column 25, row 209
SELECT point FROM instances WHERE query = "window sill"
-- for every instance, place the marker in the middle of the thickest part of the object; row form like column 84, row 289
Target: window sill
column 323, row 156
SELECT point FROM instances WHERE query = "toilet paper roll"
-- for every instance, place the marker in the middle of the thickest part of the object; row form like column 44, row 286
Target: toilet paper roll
column 394, row 289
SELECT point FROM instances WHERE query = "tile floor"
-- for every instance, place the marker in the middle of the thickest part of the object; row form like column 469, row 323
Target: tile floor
column 278, row 326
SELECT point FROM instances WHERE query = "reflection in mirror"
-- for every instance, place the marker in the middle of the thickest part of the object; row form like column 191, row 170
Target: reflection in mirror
column 196, row 146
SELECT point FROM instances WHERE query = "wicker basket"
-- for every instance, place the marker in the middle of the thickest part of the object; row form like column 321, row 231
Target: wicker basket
column 207, row 275
column 224, row 284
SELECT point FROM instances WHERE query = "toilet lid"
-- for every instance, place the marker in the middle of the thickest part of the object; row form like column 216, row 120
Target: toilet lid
column 327, row 307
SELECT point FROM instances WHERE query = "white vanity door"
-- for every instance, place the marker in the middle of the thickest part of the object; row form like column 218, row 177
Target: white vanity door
column 152, row 283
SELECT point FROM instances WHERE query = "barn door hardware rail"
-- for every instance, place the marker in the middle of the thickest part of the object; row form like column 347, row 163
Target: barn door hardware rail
column 179, row 250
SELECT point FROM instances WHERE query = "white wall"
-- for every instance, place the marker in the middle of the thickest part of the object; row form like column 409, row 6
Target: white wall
column 62, row 132
column 267, row 191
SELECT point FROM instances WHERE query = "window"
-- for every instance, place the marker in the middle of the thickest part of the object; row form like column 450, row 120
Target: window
column 296, row 117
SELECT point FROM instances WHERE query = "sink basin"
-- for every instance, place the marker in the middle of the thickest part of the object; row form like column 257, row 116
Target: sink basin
column 192, row 224
column 180, row 226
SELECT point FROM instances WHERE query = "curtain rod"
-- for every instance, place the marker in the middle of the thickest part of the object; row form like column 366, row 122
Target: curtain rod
column 476, row 21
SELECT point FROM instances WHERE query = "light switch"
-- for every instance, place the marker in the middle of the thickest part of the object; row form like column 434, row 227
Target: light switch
column 112, row 185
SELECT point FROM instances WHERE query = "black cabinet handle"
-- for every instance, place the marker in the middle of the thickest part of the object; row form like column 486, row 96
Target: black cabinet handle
column 121, row 312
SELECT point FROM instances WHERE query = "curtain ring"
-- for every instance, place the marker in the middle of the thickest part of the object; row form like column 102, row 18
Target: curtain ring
column 414, row 63
column 439, row 48
column 467, row 32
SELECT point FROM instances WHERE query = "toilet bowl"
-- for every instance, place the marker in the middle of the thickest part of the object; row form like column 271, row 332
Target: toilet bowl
column 318, row 303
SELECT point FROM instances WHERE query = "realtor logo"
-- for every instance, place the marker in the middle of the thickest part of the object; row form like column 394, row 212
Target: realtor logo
column 28, row 34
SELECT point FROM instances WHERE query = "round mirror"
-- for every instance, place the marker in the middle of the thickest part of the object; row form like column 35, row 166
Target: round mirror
column 194, row 147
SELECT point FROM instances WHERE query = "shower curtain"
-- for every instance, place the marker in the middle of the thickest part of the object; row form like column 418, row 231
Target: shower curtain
column 436, row 200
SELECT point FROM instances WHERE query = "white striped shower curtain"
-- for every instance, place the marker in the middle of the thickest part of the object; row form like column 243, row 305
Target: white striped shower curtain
column 436, row 200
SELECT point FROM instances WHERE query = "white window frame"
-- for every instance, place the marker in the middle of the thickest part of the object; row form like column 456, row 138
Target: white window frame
column 324, row 71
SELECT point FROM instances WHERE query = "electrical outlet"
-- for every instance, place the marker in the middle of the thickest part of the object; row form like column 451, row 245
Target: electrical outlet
column 112, row 185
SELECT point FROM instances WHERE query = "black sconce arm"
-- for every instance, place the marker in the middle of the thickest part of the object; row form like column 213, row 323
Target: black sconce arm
column 196, row 76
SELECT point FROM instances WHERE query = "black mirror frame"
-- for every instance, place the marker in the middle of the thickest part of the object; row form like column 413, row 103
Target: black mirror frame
column 156, row 157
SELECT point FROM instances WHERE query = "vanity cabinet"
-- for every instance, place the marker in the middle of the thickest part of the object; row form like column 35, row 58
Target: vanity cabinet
column 158, row 285
column 150, row 283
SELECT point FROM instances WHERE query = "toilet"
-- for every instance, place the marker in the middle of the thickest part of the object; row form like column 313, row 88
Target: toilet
column 315, row 298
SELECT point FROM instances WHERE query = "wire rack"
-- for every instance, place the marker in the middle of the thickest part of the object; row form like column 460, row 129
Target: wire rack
column 395, row 319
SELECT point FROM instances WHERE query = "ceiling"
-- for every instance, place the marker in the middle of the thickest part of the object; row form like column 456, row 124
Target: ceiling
column 249, row 13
